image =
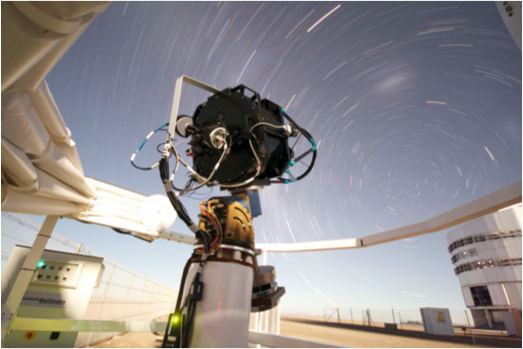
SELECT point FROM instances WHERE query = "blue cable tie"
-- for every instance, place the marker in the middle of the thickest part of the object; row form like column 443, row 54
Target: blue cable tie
column 313, row 144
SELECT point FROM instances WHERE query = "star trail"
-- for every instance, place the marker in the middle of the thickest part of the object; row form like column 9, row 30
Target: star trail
column 415, row 107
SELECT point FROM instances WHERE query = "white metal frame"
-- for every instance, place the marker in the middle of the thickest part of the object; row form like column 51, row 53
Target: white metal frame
column 489, row 203
column 178, row 95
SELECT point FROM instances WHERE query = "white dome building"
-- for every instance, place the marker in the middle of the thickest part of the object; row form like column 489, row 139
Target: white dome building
column 486, row 253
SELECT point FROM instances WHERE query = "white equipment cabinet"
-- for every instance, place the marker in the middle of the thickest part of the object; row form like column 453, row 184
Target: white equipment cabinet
column 437, row 321
column 60, row 288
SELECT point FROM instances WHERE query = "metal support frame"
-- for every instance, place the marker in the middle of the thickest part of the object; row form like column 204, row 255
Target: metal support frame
column 487, row 204
column 177, row 97
column 181, row 238
column 10, row 309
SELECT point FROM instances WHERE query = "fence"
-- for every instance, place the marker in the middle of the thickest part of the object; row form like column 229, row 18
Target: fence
column 122, row 295
column 18, row 229
column 377, row 317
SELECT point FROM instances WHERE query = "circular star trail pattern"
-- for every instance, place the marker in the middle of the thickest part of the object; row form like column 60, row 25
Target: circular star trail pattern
column 415, row 107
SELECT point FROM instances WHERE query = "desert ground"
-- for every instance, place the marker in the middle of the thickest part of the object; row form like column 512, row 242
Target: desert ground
column 347, row 335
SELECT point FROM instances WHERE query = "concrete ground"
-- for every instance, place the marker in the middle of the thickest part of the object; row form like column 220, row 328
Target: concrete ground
column 348, row 335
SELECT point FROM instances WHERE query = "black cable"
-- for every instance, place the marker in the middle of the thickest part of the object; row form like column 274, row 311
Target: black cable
column 125, row 232
column 188, row 324
column 203, row 236
column 307, row 135
column 182, row 285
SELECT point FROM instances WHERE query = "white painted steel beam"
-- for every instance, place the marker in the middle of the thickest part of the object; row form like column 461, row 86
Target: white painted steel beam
column 27, row 324
column 181, row 238
column 177, row 96
column 487, row 204
column 324, row 245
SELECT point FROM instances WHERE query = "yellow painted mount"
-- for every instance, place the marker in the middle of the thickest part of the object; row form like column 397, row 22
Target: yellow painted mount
column 238, row 225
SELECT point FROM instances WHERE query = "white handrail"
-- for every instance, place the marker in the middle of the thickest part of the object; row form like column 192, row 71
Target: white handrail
column 487, row 204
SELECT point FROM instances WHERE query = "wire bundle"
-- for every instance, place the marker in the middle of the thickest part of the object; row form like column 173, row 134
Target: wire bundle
column 211, row 216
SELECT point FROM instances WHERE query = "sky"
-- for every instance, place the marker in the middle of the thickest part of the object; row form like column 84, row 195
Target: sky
column 415, row 107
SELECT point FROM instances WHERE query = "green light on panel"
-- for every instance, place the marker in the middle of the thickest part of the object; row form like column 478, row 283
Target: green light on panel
column 41, row 263
column 175, row 319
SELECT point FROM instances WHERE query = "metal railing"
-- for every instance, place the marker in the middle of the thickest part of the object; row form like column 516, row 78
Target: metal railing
column 378, row 317
column 17, row 229
column 122, row 295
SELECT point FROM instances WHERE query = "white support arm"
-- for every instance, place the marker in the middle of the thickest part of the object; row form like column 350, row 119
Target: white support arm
column 178, row 95
column 487, row 204
column 272, row 340
column 181, row 238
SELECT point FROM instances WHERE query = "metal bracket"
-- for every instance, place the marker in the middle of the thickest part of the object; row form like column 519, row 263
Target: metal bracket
column 177, row 96
column 172, row 236
column 7, row 319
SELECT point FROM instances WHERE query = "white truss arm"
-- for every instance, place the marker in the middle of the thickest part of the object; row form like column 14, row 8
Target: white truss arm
column 487, row 204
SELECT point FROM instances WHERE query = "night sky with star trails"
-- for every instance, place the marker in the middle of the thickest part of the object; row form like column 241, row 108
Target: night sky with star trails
column 415, row 108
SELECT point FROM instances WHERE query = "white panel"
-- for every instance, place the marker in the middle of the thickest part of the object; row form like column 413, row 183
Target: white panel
column 223, row 313
column 498, row 221
column 508, row 320
column 437, row 321
column 52, row 298
column 467, row 296
column 497, row 295
column 514, row 293
column 479, row 317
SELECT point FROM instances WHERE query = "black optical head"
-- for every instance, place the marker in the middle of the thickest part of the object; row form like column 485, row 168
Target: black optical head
column 231, row 114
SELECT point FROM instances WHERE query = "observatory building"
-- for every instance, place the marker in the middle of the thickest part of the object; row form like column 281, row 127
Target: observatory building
column 486, row 253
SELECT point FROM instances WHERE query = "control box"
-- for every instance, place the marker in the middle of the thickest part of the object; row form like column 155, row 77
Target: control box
column 60, row 288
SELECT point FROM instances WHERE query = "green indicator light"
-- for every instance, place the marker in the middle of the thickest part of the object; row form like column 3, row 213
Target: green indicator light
column 175, row 319
column 41, row 263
